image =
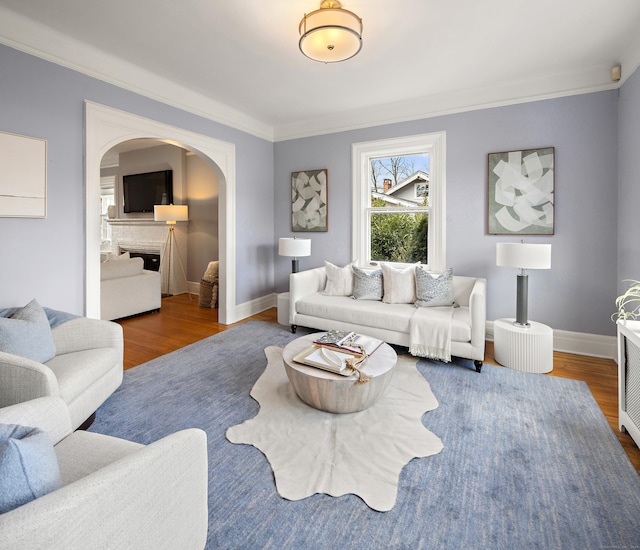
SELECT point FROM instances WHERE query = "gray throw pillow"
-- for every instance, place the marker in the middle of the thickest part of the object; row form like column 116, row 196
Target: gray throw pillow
column 434, row 290
column 367, row 283
column 27, row 333
column 28, row 466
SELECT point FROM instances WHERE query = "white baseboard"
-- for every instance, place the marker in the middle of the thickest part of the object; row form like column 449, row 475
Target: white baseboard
column 580, row 343
column 253, row 307
column 239, row 312
column 194, row 288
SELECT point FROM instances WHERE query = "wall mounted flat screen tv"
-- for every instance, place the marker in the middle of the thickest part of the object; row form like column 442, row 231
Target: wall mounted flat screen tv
column 143, row 191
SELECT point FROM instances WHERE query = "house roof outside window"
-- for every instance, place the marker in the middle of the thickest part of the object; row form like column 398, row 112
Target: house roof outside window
column 409, row 192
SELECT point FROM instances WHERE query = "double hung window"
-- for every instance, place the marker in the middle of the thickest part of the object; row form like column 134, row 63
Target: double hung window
column 399, row 200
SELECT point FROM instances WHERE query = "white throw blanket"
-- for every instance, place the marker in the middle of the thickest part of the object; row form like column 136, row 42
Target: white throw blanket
column 430, row 332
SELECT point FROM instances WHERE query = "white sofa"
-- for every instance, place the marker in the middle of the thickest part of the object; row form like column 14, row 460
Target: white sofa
column 115, row 493
column 126, row 288
column 86, row 370
column 388, row 322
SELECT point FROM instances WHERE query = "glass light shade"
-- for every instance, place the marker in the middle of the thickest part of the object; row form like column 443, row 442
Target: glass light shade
column 170, row 213
column 330, row 35
column 294, row 247
column 523, row 255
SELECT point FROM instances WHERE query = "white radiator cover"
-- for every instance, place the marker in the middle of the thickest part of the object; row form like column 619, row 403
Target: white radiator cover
column 629, row 378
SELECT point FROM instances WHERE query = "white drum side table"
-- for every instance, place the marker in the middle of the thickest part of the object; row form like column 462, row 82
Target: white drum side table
column 524, row 349
column 283, row 308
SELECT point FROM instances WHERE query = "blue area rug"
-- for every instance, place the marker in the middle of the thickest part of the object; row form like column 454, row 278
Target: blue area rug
column 529, row 460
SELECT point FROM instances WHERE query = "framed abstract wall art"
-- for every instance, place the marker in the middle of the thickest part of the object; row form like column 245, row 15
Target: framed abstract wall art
column 23, row 176
column 309, row 200
column 521, row 197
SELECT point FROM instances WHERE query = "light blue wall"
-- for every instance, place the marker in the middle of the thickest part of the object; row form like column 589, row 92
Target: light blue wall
column 629, row 181
column 576, row 294
column 44, row 258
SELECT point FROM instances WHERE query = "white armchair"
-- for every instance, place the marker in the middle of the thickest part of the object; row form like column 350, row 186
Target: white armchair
column 115, row 493
column 85, row 371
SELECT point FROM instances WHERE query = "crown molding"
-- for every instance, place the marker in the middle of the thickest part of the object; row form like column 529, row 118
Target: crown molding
column 40, row 41
column 35, row 39
column 630, row 60
column 447, row 104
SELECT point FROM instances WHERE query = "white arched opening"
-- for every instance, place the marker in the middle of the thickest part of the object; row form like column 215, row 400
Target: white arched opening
column 107, row 127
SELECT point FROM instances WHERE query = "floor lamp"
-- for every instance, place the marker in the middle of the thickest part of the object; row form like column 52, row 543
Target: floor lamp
column 297, row 248
column 171, row 214
column 523, row 256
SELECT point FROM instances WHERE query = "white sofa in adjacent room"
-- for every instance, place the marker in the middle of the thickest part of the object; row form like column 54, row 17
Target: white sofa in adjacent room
column 126, row 288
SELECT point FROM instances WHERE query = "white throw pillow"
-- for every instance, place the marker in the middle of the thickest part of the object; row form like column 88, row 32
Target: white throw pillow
column 339, row 280
column 399, row 284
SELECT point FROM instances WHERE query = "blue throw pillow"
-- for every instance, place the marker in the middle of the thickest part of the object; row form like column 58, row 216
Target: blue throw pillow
column 28, row 466
column 27, row 333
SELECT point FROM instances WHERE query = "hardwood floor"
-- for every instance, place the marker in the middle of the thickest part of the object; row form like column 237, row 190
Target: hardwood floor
column 181, row 322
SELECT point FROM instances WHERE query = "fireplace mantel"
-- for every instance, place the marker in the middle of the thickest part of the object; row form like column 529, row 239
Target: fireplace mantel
column 140, row 221
column 149, row 236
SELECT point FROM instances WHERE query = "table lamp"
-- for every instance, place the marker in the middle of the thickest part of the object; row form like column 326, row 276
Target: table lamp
column 523, row 256
column 291, row 246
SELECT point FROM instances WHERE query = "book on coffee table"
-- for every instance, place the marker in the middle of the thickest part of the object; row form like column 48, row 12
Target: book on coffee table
column 345, row 343
column 335, row 337
column 323, row 357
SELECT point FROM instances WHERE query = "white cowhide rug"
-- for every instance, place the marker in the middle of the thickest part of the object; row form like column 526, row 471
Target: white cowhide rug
column 363, row 453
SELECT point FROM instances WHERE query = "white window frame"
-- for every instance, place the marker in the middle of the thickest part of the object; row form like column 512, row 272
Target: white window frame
column 415, row 192
column 361, row 155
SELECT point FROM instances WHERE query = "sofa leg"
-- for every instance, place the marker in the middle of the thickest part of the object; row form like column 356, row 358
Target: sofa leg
column 478, row 365
column 85, row 425
column 294, row 328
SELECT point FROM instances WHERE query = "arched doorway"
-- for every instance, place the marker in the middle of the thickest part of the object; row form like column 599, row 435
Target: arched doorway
column 105, row 128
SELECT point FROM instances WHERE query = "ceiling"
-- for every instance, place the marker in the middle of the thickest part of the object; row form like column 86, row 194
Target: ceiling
column 238, row 62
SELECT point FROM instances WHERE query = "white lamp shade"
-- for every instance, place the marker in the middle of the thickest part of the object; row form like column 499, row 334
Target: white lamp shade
column 330, row 35
column 294, row 247
column 170, row 212
column 523, row 255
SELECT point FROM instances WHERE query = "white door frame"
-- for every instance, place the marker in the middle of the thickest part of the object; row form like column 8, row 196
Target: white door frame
column 106, row 127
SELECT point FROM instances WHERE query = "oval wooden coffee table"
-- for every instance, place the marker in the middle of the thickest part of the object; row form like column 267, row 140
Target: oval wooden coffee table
column 335, row 393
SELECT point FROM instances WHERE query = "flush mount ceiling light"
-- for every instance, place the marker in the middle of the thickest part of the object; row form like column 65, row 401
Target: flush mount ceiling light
column 330, row 34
